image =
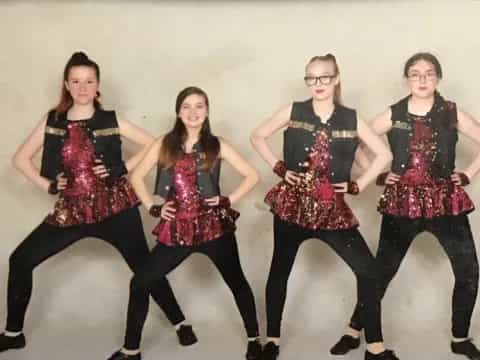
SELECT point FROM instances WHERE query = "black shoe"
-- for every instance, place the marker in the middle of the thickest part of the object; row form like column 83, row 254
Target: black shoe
column 466, row 348
column 270, row 351
column 254, row 350
column 186, row 336
column 121, row 356
column 344, row 345
column 386, row 355
column 11, row 342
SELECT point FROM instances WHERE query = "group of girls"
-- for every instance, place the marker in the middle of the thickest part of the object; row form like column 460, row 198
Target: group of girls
column 98, row 193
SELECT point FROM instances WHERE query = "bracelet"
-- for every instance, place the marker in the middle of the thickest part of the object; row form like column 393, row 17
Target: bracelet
column 352, row 188
column 155, row 210
column 224, row 201
column 381, row 179
column 53, row 188
column 117, row 171
column 464, row 180
column 280, row 169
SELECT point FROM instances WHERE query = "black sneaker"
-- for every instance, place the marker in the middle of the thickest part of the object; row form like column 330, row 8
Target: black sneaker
column 186, row 336
column 254, row 350
column 466, row 348
column 344, row 345
column 270, row 351
column 11, row 342
column 386, row 355
column 121, row 356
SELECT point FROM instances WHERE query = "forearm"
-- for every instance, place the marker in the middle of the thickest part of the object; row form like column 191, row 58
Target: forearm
column 361, row 157
column 133, row 161
column 377, row 166
column 247, row 184
column 261, row 146
column 31, row 172
column 141, row 190
column 473, row 168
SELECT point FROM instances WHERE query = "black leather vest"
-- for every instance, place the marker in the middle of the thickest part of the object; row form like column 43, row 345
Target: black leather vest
column 445, row 137
column 104, row 132
column 302, row 129
column 207, row 180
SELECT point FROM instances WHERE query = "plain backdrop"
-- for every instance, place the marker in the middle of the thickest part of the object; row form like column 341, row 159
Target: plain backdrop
column 249, row 57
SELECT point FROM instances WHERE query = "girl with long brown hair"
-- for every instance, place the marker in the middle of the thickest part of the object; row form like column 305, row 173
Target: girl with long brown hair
column 82, row 166
column 194, row 216
column 320, row 139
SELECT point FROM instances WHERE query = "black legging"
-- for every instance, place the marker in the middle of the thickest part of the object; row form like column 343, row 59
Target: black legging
column 455, row 236
column 163, row 259
column 124, row 231
column 349, row 245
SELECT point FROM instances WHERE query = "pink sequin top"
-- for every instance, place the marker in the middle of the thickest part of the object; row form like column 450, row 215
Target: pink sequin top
column 87, row 199
column 195, row 222
column 418, row 194
column 312, row 203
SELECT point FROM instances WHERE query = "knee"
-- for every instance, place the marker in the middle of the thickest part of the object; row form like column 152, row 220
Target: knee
column 369, row 272
column 468, row 276
column 237, row 282
column 138, row 283
column 17, row 262
column 242, row 286
column 277, row 282
column 474, row 271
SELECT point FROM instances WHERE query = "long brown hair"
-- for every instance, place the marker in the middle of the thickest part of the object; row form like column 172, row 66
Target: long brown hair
column 337, row 96
column 172, row 145
column 66, row 101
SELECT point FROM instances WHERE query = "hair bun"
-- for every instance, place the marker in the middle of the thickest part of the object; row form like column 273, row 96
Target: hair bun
column 79, row 56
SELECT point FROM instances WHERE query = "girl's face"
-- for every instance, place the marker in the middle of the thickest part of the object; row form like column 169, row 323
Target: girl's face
column 321, row 78
column 422, row 79
column 193, row 111
column 82, row 84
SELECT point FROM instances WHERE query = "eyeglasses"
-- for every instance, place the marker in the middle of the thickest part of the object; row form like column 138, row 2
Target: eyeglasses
column 426, row 77
column 324, row 79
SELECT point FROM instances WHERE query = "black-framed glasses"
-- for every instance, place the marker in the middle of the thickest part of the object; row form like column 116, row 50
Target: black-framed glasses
column 323, row 79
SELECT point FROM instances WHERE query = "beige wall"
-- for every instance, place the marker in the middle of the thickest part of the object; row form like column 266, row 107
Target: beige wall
column 249, row 57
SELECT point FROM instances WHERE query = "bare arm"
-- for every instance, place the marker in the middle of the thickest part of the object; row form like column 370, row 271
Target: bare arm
column 380, row 125
column 250, row 175
column 138, row 136
column 382, row 154
column 469, row 127
column 142, row 169
column 259, row 136
column 23, row 158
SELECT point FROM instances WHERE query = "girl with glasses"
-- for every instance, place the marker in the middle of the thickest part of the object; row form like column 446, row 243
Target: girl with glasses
column 320, row 139
column 424, row 192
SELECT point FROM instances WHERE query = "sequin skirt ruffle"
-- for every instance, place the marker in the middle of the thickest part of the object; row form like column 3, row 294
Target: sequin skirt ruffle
column 317, row 208
column 106, row 199
column 425, row 200
column 191, row 229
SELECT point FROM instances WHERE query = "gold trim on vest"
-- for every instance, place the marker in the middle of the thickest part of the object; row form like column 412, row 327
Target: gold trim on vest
column 106, row 132
column 55, row 131
column 301, row 125
column 344, row 134
column 402, row 125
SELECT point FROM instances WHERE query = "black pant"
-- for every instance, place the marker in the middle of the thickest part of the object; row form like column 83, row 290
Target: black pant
column 455, row 236
column 124, row 231
column 163, row 259
column 349, row 245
